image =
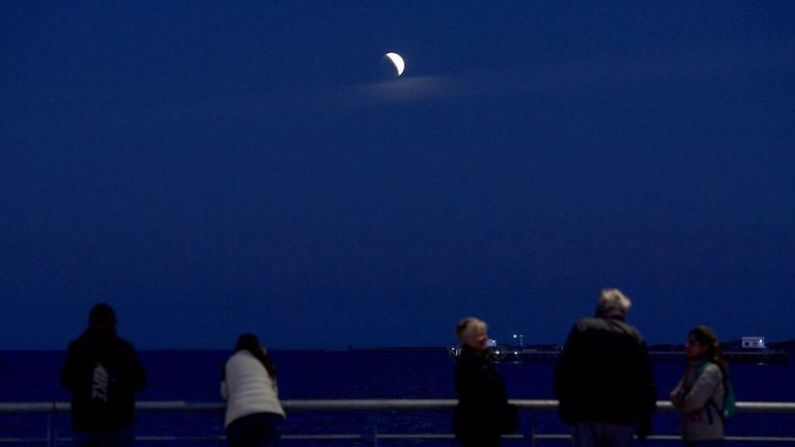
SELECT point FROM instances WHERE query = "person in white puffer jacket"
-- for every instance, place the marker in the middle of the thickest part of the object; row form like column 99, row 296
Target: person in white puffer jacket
column 254, row 414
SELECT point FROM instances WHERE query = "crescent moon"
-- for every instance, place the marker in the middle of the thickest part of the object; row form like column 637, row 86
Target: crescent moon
column 400, row 65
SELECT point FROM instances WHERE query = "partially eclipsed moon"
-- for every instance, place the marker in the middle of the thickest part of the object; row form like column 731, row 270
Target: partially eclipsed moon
column 398, row 61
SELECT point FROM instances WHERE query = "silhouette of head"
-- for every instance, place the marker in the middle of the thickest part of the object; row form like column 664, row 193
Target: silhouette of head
column 248, row 342
column 102, row 320
column 472, row 332
column 705, row 336
column 612, row 304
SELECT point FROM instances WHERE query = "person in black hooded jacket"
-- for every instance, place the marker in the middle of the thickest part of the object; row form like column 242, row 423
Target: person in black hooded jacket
column 478, row 419
column 103, row 373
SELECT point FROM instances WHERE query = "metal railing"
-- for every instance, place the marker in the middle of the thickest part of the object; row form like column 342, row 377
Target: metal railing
column 366, row 405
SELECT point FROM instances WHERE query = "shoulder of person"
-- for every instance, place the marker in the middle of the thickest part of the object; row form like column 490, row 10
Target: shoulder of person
column 636, row 333
column 712, row 369
column 588, row 323
column 124, row 344
column 75, row 344
column 82, row 345
column 119, row 347
column 629, row 330
column 241, row 356
column 607, row 324
column 467, row 357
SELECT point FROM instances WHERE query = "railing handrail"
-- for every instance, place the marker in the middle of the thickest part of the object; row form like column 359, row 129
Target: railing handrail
column 372, row 405
column 362, row 404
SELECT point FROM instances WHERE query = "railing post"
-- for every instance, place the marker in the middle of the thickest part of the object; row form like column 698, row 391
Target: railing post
column 50, row 429
column 375, row 428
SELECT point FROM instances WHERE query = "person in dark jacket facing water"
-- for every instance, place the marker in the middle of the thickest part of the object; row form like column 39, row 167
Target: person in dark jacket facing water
column 103, row 373
column 477, row 418
column 603, row 379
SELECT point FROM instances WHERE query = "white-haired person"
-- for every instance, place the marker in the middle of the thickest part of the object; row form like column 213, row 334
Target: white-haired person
column 603, row 379
column 482, row 413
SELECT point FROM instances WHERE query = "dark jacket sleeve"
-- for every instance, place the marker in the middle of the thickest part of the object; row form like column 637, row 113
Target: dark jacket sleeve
column 481, row 396
column 136, row 378
column 69, row 371
column 468, row 383
column 648, row 387
column 564, row 371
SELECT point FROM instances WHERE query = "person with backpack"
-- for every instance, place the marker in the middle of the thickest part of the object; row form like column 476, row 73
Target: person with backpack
column 701, row 394
column 103, row 373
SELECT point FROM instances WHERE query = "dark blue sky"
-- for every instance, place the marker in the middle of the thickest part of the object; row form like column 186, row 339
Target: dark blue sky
column 209, row 168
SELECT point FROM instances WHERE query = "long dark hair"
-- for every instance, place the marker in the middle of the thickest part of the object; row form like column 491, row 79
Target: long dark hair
column 249, row 342
column 707, row 337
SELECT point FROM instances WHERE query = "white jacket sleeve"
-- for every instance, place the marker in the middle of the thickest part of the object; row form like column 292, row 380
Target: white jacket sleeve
column 224, row 390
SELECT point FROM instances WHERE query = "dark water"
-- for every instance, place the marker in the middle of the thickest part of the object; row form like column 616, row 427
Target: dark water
column 194, row 376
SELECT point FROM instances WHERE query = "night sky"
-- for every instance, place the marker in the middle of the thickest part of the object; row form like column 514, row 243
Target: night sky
column 215, row 167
